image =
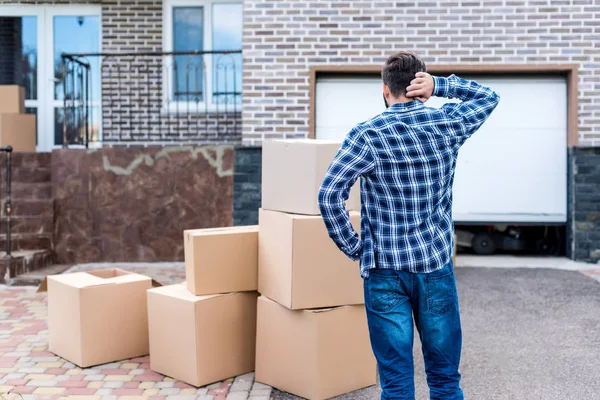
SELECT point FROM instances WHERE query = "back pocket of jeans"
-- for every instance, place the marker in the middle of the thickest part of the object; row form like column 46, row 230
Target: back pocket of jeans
column 441, row 293
column 382, row 293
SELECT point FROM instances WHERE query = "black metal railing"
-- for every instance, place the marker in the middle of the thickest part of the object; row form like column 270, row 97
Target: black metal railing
column 192, row 96
column 8, row 202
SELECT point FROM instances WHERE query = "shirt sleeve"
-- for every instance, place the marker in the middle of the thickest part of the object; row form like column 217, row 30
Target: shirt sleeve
column 354, row 158
column 477, row 104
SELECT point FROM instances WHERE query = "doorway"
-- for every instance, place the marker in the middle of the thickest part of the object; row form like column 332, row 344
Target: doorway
column 32, row 39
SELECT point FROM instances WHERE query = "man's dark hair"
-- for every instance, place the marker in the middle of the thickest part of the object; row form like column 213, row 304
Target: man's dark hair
column 399, row 70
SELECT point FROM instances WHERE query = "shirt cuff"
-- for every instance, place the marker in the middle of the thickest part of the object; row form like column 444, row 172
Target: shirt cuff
column 354, row 252
column 441, row 86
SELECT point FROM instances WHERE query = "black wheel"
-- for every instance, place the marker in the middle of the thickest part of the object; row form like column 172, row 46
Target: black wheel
column 547, row 247
column 483, row 244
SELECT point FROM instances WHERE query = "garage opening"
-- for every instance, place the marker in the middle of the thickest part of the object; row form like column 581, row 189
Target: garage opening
column 510, row 188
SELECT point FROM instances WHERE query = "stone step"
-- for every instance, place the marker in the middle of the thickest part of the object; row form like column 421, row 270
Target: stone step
column 25, row 175
column 31, row 208
column 27, row 160
column 33, row 225
column 34, row 278
column 27, row 191
column 26, row 241
column 23, row 262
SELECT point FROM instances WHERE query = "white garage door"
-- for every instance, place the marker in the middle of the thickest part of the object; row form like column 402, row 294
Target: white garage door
column 514, row 169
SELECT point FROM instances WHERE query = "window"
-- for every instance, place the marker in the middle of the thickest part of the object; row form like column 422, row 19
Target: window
column 200, row 33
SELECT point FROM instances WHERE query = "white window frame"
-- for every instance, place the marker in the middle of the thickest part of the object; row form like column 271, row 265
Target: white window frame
column 190, row 107
column 45, row 102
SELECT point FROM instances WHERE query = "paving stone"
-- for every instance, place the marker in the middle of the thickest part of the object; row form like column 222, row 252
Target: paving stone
column 242, row 395
column 137, row 372
column 104, row 392
column 258, row 385
column 164, row 385
column 181, row 397
column 201, row 392
column 91, row 371
column 147, row 385
column 68, row 365
column 260, row 392
column 241, row 386
column 205, row 397
column 32, row 370
column 249, row 377
column 42, row 383
column 113, row 385
column 63, row 377
column 259, row 398
column 118, row 378
column 114, row 365
column 49, row 390
column 94, row 378
column 169, row 391
column 214, row 386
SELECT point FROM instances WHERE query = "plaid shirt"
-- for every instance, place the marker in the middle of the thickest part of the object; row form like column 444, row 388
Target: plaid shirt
column 405, row 158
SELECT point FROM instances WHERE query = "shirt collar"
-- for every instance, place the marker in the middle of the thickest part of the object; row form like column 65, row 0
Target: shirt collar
column 401, row 107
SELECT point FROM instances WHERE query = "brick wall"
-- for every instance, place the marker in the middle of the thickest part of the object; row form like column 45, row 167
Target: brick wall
column 132, row 87
column 584, row 204
column 283, row 38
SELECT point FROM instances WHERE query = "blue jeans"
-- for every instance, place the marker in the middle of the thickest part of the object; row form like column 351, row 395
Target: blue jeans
column 391, row 299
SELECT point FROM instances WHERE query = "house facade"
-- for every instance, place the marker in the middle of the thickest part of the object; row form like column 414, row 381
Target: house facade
column 164, row 72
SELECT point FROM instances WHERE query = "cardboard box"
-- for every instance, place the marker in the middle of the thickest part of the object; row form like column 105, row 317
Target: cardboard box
column 201, row 339
column 299, row 266
column 221, row 260
column 97, row 317
column 293, row 171
column 18, row 131
column 12, row 99
column 316, row 354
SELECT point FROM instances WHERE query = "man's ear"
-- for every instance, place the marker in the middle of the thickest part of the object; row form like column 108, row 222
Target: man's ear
column 386, row 90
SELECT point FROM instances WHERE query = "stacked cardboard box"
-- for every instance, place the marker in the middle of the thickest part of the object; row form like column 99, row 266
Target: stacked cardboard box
column 17, row 129
column 204, row 330
column 312, row 337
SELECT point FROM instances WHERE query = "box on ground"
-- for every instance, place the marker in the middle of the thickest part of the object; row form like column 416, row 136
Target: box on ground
column 97, row 317
column 18, row 131
column 12, row 99
column 221, row 260
column 300, row 266
column 293, row 171
column 201, row 339
column 316, row 354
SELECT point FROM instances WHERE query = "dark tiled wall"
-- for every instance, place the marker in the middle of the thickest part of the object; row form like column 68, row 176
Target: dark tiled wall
column 585, row 204
column 247, row 185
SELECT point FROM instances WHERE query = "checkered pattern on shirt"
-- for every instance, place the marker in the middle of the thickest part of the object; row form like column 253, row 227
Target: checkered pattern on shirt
column 405, row 158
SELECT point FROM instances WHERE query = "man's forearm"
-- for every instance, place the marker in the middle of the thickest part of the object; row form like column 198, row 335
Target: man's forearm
column 465, row 90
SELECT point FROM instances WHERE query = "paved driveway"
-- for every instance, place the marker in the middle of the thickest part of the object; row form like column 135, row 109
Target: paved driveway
column 528, row 334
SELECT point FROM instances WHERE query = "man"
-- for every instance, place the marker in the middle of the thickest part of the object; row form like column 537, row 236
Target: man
column 406, row 158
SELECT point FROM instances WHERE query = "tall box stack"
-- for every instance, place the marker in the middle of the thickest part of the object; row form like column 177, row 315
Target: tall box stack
column 17, row 129
column 204, row 330
column 312, row 336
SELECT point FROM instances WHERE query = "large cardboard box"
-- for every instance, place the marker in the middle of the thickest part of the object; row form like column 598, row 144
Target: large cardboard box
column 201, row 339
column 293, row 171
column 18, row 131
column 221, row 260
column 12, row 99
column 97, row 317
column 299, row 266
column 316, row 354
